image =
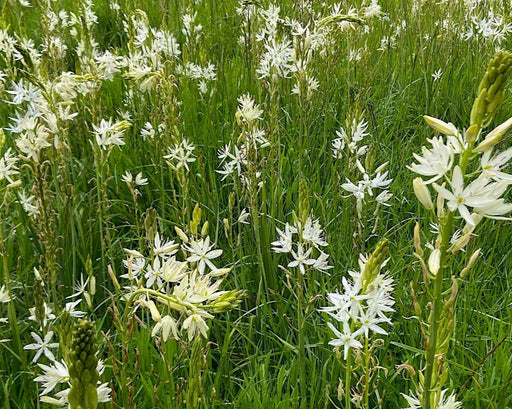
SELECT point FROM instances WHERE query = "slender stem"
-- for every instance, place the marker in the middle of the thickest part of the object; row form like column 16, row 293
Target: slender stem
column 366, row 374
column 437, row 305
column 13, row 320
column 300, row 329
column 348, row 373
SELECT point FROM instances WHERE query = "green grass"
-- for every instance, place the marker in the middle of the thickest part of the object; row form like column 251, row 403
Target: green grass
column 253, row 360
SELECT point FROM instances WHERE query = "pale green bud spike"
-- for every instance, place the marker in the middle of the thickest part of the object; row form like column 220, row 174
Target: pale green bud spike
column 304, row 207
column 82, row 364
column 374, row 263
column 150, row 224
column 491, row 89
column 196, row 219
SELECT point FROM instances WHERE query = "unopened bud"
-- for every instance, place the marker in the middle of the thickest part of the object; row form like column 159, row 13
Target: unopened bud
column 434, row 261
column 494, row 136
column 422, row 193
column 471, row 261
column 472, row 133
column 181, row 234
column 417, row 240
column 440, row 126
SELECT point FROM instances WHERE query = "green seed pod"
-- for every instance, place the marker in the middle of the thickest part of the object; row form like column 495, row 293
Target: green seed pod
column 82, row 367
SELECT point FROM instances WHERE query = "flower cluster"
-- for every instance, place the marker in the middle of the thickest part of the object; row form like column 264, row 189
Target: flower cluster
column 471, row 195
column 362, row 306
column 179, row 283
column 303, row 240
column 242, row 158
column 350, row 142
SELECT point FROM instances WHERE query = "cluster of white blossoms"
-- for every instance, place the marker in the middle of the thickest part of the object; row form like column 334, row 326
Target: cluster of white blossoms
column 303, row 240
column 361, row 308
column 57, row 373
column 473, row 192
column 245, row 154
column 444, row 402
column 351, row 144
column 179, row 283
column 181, row 154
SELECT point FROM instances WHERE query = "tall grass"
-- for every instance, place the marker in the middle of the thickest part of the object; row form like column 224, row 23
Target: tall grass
column 264, row 353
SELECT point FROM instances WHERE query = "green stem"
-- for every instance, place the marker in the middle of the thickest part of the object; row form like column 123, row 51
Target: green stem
column 348, row 373
column 366, row 374
column 11, row 308
column 437, row 305
column 300, row 329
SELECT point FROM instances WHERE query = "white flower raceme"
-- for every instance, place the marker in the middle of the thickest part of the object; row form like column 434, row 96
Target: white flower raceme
column 8, row 166
column 180, row 155
column 305, row 248
column 180, row 294
column 362, row 306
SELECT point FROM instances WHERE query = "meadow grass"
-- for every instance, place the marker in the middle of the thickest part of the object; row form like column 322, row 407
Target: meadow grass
column 251, row 358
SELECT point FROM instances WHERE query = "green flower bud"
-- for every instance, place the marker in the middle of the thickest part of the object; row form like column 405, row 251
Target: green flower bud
column 82, row 367
column 491, row 89
column 374, row 264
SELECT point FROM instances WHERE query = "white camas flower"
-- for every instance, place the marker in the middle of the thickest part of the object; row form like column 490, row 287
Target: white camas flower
column 4, row 295
column 347, row 339
column 53, row 374
column 108, row 133
column 8, row 166
column 138, row 181
column 195, row 325
column 180, row 155
column 285, row 242
column 360, row 312
column 301, row 259
column 474, row 195
column 435, row 162
column 42, row 346
column 491, row 166
column 202, row 252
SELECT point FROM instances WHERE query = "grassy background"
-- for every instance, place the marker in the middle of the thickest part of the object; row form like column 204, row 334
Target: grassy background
column 252, row 361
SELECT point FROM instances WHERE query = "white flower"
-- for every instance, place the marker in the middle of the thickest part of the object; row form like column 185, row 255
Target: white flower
column 195, row 325
column 413, row 401
column 202, row 252
column 347, row 339
column 474, row 195
column 4, row 295
column 312, row 233
column 491, row 167
column 247, row 110
column 42, row 346
column 8, row 166
column 163, row 247
column 138, row 181
column 182, row 154
column 108, row 133
column 166, row 325
column 435, row 162
column 53, row 375
column 285, row 241
column 302, row 258
column 47, row 314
